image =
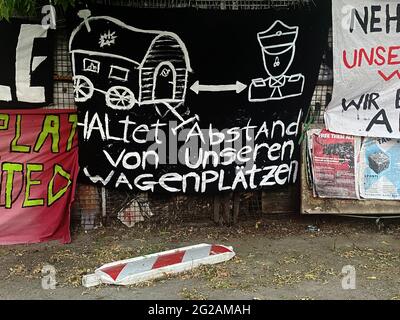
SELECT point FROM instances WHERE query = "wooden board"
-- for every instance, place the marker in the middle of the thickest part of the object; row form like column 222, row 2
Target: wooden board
column 314, row 205
column 285, row 200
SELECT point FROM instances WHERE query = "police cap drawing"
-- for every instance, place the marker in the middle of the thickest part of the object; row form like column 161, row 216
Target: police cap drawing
column 278, row 50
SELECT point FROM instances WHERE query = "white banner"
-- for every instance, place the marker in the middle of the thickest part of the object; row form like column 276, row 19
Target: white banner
column 366, row 51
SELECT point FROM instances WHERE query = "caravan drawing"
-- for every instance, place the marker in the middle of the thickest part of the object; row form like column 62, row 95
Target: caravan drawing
column 129, row 66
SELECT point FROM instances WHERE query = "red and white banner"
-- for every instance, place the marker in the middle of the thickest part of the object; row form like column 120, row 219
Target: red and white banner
column 39, row 167
column 366, row 53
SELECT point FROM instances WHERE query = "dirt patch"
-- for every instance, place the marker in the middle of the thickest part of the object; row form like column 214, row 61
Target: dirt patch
column 277, row 258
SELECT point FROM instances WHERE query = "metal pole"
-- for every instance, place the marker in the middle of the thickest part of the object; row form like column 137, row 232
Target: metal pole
column 103, row 204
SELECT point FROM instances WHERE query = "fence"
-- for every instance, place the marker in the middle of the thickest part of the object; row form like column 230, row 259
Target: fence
column 95, row 205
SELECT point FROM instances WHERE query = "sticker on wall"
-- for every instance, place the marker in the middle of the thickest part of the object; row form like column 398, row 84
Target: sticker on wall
column 26, row 63
column 185, row 100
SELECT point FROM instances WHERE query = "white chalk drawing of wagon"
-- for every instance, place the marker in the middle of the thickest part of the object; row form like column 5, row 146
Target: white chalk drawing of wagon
column 129, row 66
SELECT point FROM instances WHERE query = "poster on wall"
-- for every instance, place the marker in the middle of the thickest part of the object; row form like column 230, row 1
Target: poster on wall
column 366, row 51
column 26, row 64
column 39, row 167
column 194, row 100
column 380, row 169
column 334, row 165
column 309, row 158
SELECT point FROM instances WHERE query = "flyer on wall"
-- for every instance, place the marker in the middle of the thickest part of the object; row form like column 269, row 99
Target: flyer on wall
column 380, row 169
column 334, row 163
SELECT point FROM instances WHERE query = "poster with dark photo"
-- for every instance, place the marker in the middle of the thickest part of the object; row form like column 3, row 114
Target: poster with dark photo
column 334, row 165
column 189, row 100
column 26, row 62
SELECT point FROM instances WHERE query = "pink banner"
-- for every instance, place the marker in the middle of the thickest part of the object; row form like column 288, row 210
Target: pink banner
column 39, row 167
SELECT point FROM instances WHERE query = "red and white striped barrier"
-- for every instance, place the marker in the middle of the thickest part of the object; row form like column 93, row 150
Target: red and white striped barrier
column 157, row 265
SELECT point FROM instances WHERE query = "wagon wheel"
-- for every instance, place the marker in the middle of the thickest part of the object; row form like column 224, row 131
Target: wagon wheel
column 83, row 88
column 120, row 98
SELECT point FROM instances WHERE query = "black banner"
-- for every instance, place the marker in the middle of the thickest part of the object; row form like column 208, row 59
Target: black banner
column 186, row 100
column 26, row 62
